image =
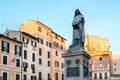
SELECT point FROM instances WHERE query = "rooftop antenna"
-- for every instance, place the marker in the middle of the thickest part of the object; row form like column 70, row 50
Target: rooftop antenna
column 1, row 28
column 6, row 19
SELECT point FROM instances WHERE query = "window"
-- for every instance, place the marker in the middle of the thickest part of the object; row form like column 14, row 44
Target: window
column 17, row 50
column 62, row 40
column 48, row 34
column 33, row 57
column 25, row 54
column 61, row 47
column 25, row 66
column 115, row 69
column 95, row 75
column 5, row 76
column 56, row 53
column 100, row 66
column 48, row 63
column 106, row 77
column 56, row 36
column 39, row 29
column 47, row 43
column 49, row 76
column 25, row 77
column 5, row 60
column 56, row 64
column 90, row 74
column 17, row 76
column 40, row 40
column 40, row 51
column 5, row 46
column 48, row 54
column 33, row 77
column 17, row 62
column 62, row 65
column 40, row 76
column 40, row 61
column 55, row 44
column 33, row 68
column 50, row 45
column 100, row 75
column 33, row 43
column 56, row 76
column 100, row 58
column 25, row 40
column 62, row 76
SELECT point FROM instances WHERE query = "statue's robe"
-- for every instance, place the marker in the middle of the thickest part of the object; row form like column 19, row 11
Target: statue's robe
column 78, row 30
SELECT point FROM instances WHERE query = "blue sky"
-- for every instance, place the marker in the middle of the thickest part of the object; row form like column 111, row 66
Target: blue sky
column 102, row 17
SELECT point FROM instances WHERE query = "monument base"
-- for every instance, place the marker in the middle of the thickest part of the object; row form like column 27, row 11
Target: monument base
column 76, row 64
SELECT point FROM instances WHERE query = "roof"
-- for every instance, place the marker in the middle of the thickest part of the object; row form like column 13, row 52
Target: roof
column 1, row 35
column 47, row 27
column 29, row 35
column 58, row 35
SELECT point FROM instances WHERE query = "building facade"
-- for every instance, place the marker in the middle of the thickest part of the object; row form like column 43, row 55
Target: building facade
column 53, row 46
column 57, row 49
column 101, row 67
column 100, row 62
column 29, row 53
column 115, row 67
column 10, row 58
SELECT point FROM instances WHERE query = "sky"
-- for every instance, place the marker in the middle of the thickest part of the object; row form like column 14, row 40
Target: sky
column 102, row 17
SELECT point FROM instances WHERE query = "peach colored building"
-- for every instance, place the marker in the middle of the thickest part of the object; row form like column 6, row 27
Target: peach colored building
column 53, row 46
column 10, row 58
column 58, row 48
column 101, row 67
column 29, row 53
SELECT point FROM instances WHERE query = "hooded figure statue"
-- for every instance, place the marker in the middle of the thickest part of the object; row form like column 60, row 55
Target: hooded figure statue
column 78, row 29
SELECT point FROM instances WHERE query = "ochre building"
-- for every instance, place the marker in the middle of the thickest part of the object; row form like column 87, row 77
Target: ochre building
column 53, row 46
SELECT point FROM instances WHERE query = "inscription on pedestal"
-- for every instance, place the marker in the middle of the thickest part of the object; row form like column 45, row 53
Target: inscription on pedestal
column 72, row 72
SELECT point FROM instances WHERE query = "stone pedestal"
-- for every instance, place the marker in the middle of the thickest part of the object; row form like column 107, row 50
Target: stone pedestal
column 76, row 64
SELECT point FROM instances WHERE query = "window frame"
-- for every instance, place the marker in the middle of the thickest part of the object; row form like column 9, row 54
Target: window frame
column 48, row 63
column 48, row 55
column 16, row 76
column 4, row 60
column 40, row 61
column 7, row 74
column 106, row 75
column 95, row 76
column 16, row 64
column 40, row 51
column 33, row 57
column 18, row 53
column 5, row 46
column 25, row 54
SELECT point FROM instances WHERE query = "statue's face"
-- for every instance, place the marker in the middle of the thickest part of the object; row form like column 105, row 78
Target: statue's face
column 77, row 12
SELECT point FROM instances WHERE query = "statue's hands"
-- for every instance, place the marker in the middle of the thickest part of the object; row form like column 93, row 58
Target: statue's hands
column 77, row 20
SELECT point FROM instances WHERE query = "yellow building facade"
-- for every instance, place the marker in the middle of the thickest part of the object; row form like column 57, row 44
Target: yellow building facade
column 96, row 45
